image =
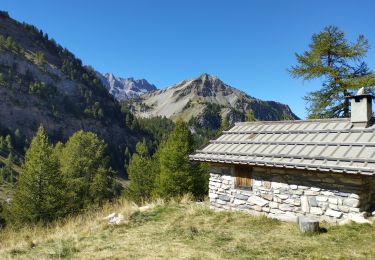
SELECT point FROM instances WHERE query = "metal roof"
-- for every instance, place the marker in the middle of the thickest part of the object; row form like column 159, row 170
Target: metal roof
column 331, row 145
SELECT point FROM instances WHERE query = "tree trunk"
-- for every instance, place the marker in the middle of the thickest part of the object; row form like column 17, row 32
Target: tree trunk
column 346, row 104
column 308, row 225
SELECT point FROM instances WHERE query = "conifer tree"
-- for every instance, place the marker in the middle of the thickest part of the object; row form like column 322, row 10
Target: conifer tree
column 39, row 195
column 7, row 170
column 178, row 175
column 90, row 181
column 250, row 116
column 8, row 143
column 340, row 65
column 142, row 171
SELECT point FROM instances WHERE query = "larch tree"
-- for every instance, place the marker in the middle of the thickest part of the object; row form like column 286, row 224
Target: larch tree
column 40, row 191
column 84, row 166
column 142, row 171
column 178, row 175
column 339, row 63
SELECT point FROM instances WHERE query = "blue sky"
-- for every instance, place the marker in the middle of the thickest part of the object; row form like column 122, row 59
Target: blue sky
column 248, row 44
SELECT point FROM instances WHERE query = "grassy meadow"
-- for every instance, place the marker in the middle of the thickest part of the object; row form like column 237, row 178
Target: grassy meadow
column 183, row 230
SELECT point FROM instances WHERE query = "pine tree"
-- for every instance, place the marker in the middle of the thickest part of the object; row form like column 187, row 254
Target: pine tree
column 250, row 116
column 177, row 174
column 7, row 170
column 90, row 181
column 340, row 64
column 39, row 58
column 142, row 171
column 8, row 143
column 126, row 158
column 39, row 194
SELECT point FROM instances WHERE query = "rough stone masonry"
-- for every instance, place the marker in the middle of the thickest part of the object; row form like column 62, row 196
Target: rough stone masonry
column 286, row 194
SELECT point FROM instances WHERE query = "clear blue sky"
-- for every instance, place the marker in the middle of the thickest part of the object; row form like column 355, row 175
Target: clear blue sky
column 248, row 44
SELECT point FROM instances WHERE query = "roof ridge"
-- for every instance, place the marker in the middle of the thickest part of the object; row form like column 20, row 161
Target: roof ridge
column 295, row 121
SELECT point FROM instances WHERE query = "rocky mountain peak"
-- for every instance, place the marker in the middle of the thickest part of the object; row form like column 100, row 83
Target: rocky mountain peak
column 190, row 98
column 204, row 85
column 125, row 88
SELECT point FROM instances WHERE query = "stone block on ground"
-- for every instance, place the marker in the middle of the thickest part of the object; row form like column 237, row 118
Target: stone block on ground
column 308, row 225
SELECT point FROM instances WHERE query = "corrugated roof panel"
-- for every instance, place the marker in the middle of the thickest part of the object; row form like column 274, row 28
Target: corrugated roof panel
column 317, row 151
column 307, row 161
column 224, row 137
column 371, row 165
column 235, row 137
column 234, row 128
column 278, row 127
column 243, row 149
column 299, row 137
column 343, row 125
column 298, row 144
column 367, row 152
column 365, row 137
column 344, row 163
column 298, row 148
column 341, row 137
column 210, row 148
column 353, row 137
column 259, row 148
column 328, row 125
column 354, row 151
column 329, row 137
column 287, row 149
column 230, row 148
column 330, row 163
column 284, row 127
column 341, row 151
column 237, row 148
column 293, row 127
column 358, row 165
column 311, row 126
column 244, row 127
column 328, row 151
column 265, row 127
column 307, row 150
column 289, row 138
column 219, row 148
column 273, row 137
column 251, row 149
column 278, row 149
column 256, row 127
column 260, row 137
column 269, row 150
column 316, row 137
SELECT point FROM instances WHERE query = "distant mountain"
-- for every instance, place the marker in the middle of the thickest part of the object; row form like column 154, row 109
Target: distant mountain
column 194, row 97
column 125, row 88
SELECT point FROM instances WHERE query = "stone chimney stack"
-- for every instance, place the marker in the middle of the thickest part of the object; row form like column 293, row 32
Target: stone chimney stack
column 361, row 106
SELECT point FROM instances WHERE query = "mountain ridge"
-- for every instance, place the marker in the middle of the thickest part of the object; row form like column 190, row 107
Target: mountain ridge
column 189, row 98
column 42, row 83
column 125, row 88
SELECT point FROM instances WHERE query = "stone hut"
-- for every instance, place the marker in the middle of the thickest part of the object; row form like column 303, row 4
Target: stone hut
column 285, row 169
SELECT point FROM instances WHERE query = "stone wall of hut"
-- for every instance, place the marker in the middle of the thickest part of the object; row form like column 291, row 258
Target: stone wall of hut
column 286, row 194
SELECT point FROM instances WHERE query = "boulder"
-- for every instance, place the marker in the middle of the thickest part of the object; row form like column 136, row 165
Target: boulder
column 114, row 218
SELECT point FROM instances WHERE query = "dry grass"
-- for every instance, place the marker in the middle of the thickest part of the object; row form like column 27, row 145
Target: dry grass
column 184, row 230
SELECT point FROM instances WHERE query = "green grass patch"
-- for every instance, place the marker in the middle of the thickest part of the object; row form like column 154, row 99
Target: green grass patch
column 193, row 231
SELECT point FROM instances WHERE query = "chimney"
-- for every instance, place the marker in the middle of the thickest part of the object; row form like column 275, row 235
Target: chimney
column 361, row 106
